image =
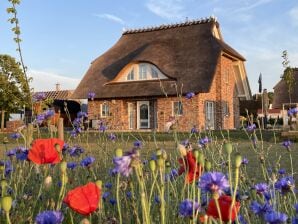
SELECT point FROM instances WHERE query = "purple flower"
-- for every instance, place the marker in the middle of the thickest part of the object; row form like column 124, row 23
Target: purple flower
column 282, row 171
column 112, row 137
column 49, row 217
column 287, row 144
column 113, row 201
column 123, row 163
column 49, row 113
column 39, row 96
column 138, row 144
column 285, row 184
column 86, row 162
column 128, row 194
column 194, row 130
column 261, row 188
column 213, row 182
column 22, row 153
column 203, row 141
column 187, row 207
column 105, row 195
column 108, row 185
column 260, row 209
column 91, row 95
column 275, row 217
column 190, row 95
column 15, row 135
column 251, row 128
column 186, row 143
column 71, row 165
column 40, row 118
column 296, row 208
column 156, row 199
column 172, row 175
column 76, row 151
column 102, row 127
column 11, row 152
column 244, row 161
column 82, row 114
column 7, row 167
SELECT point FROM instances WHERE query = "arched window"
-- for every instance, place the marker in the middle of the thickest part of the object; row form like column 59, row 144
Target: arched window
column 131, row 75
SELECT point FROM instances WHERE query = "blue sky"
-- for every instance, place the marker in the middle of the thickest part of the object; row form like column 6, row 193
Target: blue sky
column 62, row 37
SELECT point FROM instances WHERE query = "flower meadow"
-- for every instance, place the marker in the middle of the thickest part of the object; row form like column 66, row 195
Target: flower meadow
column 105, row 177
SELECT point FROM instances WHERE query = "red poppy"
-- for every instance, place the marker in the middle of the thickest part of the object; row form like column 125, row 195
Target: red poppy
column 189, row 164
column 83, row 199
column 44, row 151
column 224, row 202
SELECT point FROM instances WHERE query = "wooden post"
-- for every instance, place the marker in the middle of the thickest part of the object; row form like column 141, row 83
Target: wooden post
column 2, row 119
column 60, row 129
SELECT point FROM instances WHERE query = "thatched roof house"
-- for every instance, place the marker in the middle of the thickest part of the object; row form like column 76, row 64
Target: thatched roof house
column 146, row 65
column 281, row 94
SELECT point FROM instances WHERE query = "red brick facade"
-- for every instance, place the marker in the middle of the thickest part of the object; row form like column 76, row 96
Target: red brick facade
column 222, row 95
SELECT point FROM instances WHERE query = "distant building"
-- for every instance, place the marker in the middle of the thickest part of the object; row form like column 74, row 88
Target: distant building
column 141, row 82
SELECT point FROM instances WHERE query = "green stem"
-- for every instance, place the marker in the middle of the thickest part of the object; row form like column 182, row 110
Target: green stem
column 162, row 197
column 218, row 210
column 117, row 198
column 7, row 218
column 234, row 194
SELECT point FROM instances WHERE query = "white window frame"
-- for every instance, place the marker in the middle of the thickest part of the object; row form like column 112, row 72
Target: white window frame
column 143, row 71
column 107, row 110
column 131, row 75
column 173, row 108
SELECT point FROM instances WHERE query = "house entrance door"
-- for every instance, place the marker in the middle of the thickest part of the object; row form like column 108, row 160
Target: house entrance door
column 143, row 115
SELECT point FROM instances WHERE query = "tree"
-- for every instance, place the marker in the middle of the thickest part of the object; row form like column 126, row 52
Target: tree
column 14, row 91
column 288, row 75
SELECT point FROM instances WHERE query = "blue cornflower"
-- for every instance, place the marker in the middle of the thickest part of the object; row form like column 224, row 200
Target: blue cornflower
column 105, row 195
column 82, row 114
column 185, row 142
column 275, row 217
column 76, row 151
column 244, row 161
column 102, row 127
column 138, row 144
column 49, row 113
column 113, row 201
column 282, row 171
column 251, row 128
column 261, row 188
column 39, row 96
column 128, row 194
column 194, row 130
column 108, row 185
column 172, row 175
column 190, row 95
column 7, row 167
column 241, row 219
column 91, row 95
column 287, row 144
column 86, row 162
column 187, row 207
column 49, row 217
column 156, row 199
column 213, row 182
column 22, row 153
column 40, row 118
column 15, row 135
column 260, row 209
column 123, row 163
column 203, row 141
column 11, row 152
column 112, row 137
column 71, row 165
column 285, row 184
column 296, row 208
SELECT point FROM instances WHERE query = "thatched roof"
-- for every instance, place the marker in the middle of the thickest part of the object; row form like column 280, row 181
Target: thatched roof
column 187, row 53
column 281, row 94
column 56, row 95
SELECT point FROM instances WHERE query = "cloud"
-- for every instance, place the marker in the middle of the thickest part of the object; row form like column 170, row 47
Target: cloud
column 252, row 5
column 45, row 81
column 110, row 17
column 293, row 13
column 168, row 9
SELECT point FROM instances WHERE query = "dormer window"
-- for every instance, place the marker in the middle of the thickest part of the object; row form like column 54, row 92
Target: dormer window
column 131, row 75
column 143, row 71
column 154, row 73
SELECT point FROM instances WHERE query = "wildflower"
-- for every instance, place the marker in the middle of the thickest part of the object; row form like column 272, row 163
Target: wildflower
column 261, row 188
column 285, row 184
column 156, row 199
column 190, row 95
column 48, row 182
column 172, row 175
column 260, row 209
column 44, row 151
column 203, row 141
column 287, row 144
column 112, row 137
column 102, row 127
column 187, row 207
column 91, row 95
column 71, row 165
column 15, row 135
column 22, row 153
column 138, row 144
column 11, row 152
column 194, row 130
column 49, row 217
column 282, row 171
column 296, row 208
column 189, row 164
column 83, row 199
column 251, row 128
column 113, row 201
column 241, row 219
column 128, row 194
column 105, row 195
column 244, row 161
column 225, row 203
column 275, row 217
column 7, row 167
column 214, row 182
column 123, row 163
column 39, row 96
column 108, row 185
column 86, row 162
column 76, row 151
column 82, row 114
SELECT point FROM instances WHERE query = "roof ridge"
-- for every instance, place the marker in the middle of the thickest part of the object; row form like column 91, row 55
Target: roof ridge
column 169, row 26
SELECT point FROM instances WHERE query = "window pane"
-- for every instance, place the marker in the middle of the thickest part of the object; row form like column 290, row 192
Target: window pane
column 144, row 111
column 154, row 73
column 105, row 110
column 142, row 71
column 178, row 110
column 131, row 75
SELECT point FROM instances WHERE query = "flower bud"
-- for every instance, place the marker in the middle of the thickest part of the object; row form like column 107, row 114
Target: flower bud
column 63, row 166
column 228, row 147
column 152, row 165
column 4, row 184
column 196, row 154
column 238, row 160
column 48, row 182
column 201, row 159
column 6, row 203
column 208, row 166
column 119, row 153
column 84, row 221
column 99, row 184
column 160, row 162
column 182, row 150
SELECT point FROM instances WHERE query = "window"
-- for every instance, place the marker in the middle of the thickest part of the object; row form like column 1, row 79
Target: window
column 177, row 108
column 131, row 75
column 105, row 110
column 142, row 71
column 154, row 73
column 225, row 108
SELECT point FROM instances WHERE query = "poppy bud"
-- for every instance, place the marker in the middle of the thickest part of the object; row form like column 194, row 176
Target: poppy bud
column 238, row 160
column 4, row 184
column 152, row 165
column 6, row 203
column 208, row 166
column 196, row 154
column 201, row 159
column 99, row 184
column 119, row 153
column 182, row 150
column 228, row 147
column 63, row 166
column 48, row 182
column 84, row 221
column 160, row 162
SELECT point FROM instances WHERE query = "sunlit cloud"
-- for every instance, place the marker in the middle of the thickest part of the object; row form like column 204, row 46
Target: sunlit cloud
column 110, row 17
